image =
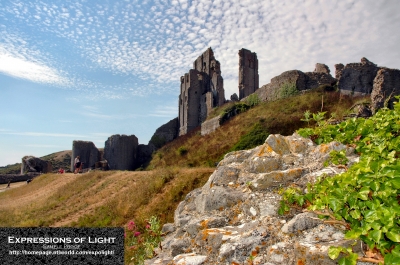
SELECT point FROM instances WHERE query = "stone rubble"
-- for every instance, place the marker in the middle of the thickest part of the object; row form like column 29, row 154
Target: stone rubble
column 233, row 218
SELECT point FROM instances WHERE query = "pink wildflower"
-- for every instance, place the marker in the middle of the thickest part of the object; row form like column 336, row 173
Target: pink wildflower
column 131, row 226
column 136, row 234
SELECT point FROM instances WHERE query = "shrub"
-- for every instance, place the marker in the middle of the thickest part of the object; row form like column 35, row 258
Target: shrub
column 182, row 150
column 255, row 137
column 253, row 100
column 288, row 89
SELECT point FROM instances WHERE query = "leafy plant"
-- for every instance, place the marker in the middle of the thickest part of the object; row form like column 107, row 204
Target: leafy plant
column 366, row 198
column 288, row 89
column 253, row 100
column 141, row 242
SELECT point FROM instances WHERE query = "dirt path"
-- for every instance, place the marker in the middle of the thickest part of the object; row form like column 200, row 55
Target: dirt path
column 3, row 187
column 36, row 194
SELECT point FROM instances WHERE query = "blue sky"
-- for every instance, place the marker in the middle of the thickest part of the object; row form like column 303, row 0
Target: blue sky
column 85, row 69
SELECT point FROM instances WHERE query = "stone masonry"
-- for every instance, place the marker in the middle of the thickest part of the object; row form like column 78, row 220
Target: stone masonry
column 356, row 78
column 202, row 89
column 120, row 152
column 302, row 81
column 386, row 86
column 88, row 153
column 248, row 73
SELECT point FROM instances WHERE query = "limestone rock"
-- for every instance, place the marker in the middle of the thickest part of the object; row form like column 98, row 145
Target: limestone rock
column 234, row 215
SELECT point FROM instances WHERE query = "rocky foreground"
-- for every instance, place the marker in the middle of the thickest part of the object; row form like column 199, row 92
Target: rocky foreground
column 233, row 218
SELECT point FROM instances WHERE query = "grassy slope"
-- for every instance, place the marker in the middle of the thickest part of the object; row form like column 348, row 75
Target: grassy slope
column 114, row 197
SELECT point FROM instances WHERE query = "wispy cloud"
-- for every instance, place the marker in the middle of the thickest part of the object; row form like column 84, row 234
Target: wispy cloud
column 165, row 111
column 17, row 65
column 157, row 41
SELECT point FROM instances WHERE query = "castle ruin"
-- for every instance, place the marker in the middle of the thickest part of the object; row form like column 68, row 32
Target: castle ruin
column 202, row 89
column 248, row 73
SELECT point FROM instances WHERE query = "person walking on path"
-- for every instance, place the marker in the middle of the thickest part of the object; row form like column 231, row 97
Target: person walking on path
column 77, row 164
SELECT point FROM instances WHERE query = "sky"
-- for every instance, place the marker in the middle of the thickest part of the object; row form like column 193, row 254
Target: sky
column 86, row 69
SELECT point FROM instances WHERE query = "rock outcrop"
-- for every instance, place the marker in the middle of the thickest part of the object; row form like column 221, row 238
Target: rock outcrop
column 164, row 134
column 120, row 152
column 233, row 218
column 386, row 86
column 36, row 165
column 88, row 153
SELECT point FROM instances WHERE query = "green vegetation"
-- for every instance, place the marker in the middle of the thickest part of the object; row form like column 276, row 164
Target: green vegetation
column 366, row 198
column 140, row 242
column 114, row 198
column 280, row 116
column 255, row 137
column 288, row 89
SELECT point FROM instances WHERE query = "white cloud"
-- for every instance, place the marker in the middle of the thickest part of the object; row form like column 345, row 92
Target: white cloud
column 17, row 66
column 160, row 43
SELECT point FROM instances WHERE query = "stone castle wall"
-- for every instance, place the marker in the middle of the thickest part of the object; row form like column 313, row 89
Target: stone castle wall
column 248, row 73
column 88, row 153
column 201, row 90
column 386, row 86
column 120, row 152
column 357, row 78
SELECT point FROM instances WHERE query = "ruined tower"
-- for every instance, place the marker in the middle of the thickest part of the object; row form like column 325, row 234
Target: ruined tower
column 202, row 89
column 248, row 73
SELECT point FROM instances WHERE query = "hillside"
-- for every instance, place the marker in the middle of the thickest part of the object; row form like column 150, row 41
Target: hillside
column 112, row 198
column 58, row 159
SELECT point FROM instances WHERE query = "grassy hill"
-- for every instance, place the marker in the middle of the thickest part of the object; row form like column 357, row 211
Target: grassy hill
column 58, row 159
column 112, row 198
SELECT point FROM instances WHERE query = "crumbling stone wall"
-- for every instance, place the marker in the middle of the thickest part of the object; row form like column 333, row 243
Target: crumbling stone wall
column 248, row 73
column 165, row 133
column 210, row 125
column 302, row 81
column 34, row 164
column 201, row 90
column 386, row 86
column 88, row 153
column 143, row 155
column 120, row 152
column 357, row 78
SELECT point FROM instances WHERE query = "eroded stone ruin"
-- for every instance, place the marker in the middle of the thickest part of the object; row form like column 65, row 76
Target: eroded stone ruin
column 248, row 73
column 201, row 90
column 120, row 152
column 31, row 164
column 88, row 153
